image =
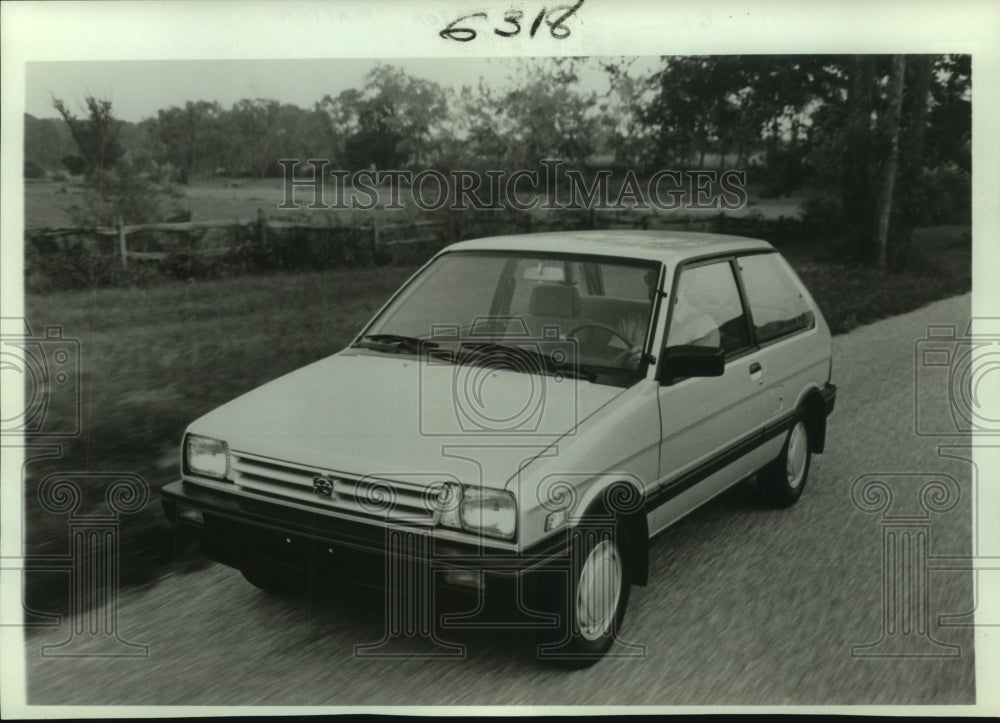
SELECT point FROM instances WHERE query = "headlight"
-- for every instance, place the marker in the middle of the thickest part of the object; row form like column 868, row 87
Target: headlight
column 206, row 457
column 491, row 512
column 448, row 505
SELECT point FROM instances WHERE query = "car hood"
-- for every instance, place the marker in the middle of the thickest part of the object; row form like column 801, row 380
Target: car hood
column 399, row 417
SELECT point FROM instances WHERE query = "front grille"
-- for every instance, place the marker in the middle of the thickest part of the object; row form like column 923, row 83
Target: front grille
column 363, row 497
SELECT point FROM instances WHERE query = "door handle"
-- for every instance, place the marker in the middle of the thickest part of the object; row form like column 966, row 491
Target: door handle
column 755, row 368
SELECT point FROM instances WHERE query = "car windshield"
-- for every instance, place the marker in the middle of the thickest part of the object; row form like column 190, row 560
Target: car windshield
column 572, row 312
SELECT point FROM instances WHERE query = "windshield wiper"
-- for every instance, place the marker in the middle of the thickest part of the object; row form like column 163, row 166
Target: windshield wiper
column 394, row 343
column 544, row 362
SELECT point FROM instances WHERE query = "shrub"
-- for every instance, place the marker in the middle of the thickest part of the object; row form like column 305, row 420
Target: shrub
column 943, row 196
column 823, row 221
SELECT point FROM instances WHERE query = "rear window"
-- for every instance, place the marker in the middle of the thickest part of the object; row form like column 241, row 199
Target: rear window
column 776, row 304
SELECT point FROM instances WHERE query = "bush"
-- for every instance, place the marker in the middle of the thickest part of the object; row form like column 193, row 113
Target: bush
column 823, row 221
column 121, row 192
column 784, row 172
column 942, row 196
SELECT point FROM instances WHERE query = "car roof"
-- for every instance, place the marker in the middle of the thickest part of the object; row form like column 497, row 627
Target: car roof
column 669, row 247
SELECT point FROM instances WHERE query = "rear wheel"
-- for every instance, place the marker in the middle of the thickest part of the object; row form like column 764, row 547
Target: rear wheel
column 590, row 597
column 782, row 481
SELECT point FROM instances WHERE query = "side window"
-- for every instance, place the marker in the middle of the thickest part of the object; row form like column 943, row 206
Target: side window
column 707, row 310
column 776, row 305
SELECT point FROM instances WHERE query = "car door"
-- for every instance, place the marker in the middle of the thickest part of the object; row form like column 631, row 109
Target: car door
column 785, row 330
column 708, row 424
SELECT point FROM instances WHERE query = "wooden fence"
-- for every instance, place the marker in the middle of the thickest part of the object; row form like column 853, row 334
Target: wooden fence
column 379, row 241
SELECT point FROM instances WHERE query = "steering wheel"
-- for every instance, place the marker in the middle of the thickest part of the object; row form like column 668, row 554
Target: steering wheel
column 625, row 358
column 602, row 327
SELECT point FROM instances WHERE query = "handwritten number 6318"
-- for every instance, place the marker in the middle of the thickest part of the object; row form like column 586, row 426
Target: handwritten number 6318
column 512, row 23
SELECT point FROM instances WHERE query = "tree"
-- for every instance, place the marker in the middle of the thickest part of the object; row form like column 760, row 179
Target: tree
column 879, row 129
column 115, row 190
column 250, row 125
column 911, row 190
column 690, row 90
column 396, row 121
column 949, row 131
column 888, row 180
column 876, row 128
column 732, row 104
column 622, row 112
column 478, row 135
column 544, row 114
column 96, row 136
column 850, row 139
column 46, row 142
column 189, row 137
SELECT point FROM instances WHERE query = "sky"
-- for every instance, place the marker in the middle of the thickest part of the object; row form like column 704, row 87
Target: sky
column 138, row 89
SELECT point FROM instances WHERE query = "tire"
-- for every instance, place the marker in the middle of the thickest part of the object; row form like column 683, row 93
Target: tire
column 590, row 598
column 275, row 579
column 782, row 481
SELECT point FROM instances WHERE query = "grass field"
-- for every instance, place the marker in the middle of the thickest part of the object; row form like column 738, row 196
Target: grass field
column 154, row 359
column 50, row 203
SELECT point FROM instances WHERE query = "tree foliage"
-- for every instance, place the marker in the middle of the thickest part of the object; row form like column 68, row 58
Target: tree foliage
column 539, row 113
column 546, row 116
column 876, row 137
column 819, row 124
column 189, row 138
column 394, row 122
column 623, row 128
column 96, row 135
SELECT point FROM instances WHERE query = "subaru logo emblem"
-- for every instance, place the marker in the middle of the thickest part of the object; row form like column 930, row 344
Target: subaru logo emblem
column 323, row 486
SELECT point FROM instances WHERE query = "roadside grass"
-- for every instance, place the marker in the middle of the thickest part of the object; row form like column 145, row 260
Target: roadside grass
column 154, row 359
column 851, row 296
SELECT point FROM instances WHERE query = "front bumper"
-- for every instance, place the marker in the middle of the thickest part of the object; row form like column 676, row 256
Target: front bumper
column 239, row 530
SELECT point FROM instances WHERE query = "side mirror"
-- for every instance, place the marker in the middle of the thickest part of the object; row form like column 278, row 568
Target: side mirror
column 680, row 362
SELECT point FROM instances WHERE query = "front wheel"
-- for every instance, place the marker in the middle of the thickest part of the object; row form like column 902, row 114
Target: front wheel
column 782, row 481
column 590, row 597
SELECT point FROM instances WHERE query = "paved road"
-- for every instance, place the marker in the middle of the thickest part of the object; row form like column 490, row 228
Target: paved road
column 745, row 606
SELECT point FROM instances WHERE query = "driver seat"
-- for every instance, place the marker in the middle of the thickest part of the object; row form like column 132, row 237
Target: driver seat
column 553, row 305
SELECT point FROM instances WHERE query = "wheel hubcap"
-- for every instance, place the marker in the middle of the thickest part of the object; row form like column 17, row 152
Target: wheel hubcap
column 599, row 590
column 795, row 459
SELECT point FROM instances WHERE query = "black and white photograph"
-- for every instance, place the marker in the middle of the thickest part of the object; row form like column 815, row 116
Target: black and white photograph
column 466, row 358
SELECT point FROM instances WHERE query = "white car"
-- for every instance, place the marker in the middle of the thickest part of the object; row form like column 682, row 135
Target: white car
column 529, row 409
